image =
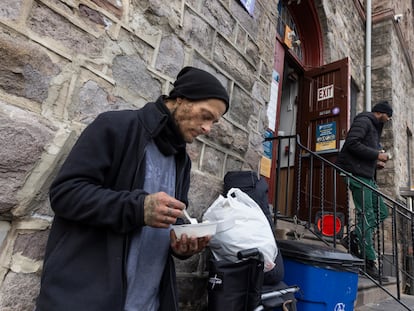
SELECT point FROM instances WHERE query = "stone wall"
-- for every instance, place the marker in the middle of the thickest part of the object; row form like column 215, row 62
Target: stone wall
column 343, row 30
column 63, row 62
column 392, row 80
column 404, row 9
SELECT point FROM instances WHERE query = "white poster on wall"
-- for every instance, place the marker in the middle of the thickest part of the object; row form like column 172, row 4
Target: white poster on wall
column 271, row 107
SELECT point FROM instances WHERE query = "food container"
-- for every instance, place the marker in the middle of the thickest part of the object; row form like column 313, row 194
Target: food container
column 197, row 230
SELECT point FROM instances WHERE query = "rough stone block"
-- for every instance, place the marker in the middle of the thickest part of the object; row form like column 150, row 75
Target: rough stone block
column 196, row 32
column 199, row 198
column 32, row 244
column 26, row 69
column 162, row 13
column 49, row 24
column 10, row 9
column 252, row 52
column 130, row 73
column 212, row 161
column 242, row 16
column 170, row 63
column 92, row 100
column 112, row 6
column 230, row 136
column 234, row 63
column 19, row 292
column 233, row 164
column 25, row 136
column 194, row 151
column 220, row 18
column 243, row 110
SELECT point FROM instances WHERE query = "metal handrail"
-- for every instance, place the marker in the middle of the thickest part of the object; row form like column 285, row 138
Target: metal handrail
column 398, row 210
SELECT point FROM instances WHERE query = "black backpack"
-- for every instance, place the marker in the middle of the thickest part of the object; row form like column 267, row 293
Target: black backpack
column 252, row 184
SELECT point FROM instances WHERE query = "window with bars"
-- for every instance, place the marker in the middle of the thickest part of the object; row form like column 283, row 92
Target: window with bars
column 284, row 22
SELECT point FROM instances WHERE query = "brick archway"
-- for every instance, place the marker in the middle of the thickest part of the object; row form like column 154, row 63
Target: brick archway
column 307, row 22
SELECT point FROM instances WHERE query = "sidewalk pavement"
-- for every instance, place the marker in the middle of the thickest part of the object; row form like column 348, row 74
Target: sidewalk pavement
column 389, row 304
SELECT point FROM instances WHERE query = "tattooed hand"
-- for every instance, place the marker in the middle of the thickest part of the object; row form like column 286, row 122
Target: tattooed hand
column 161, row 210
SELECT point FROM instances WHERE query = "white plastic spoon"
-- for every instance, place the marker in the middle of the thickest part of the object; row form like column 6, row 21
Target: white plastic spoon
column 190, row 219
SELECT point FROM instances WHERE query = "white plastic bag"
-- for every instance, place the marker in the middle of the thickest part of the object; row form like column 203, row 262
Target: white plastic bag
column 251, row 228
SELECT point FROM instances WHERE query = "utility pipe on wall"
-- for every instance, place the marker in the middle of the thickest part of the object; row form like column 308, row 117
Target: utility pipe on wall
column 368, row 18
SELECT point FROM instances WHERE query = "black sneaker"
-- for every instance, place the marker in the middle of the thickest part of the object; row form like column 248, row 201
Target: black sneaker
column 354, row 245
column 372, row 270
column 351, row 243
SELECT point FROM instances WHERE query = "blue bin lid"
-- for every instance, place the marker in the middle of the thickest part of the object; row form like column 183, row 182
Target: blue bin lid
column 319, row 255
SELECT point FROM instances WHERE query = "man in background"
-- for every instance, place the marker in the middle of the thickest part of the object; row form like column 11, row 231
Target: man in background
column 361, row 155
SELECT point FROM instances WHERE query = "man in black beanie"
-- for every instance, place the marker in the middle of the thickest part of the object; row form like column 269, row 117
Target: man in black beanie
column 123, row 185
column 196, row 84
column 383, row 107
column 361, row 155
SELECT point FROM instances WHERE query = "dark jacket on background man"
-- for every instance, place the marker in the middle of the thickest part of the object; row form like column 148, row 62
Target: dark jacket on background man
column 360, row 151
column 88, row 242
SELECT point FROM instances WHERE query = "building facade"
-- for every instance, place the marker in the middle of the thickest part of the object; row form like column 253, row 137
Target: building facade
column 65, row 61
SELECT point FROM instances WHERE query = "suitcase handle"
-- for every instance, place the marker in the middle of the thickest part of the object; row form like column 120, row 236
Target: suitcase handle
column 250, row 253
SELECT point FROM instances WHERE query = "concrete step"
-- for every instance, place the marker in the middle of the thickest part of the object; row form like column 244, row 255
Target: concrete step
column 369, row 292
column 389, row 304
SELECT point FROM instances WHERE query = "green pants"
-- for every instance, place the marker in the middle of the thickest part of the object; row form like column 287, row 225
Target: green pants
column 367, row 204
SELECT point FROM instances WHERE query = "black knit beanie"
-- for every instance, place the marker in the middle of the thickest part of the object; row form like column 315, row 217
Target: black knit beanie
column 383, row 107
column 196, row 84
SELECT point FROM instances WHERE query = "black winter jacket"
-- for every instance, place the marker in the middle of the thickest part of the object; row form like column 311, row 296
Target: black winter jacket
column 359, row 153
column 98, row 201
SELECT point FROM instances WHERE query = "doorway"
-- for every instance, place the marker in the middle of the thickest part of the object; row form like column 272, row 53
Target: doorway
column 287, row 135
column 313, row 104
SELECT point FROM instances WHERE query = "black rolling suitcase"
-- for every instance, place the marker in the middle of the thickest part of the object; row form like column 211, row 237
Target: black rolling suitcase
column 239, row 286
column 236, row 286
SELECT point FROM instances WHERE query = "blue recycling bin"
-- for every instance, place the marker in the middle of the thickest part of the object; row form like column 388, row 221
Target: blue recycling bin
column 328, row 278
